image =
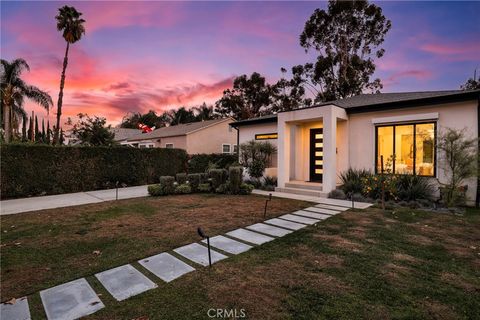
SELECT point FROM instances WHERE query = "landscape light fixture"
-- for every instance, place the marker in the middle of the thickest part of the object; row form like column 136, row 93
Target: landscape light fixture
column 116, row 190
column 266, row 203
column 204, row 236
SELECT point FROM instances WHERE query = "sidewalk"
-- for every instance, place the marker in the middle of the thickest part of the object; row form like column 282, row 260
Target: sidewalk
column 69, row 199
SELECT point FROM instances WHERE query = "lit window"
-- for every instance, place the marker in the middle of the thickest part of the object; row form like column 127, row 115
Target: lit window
column 226, row 148
column 266, row 136
column 406, row 149
column 169, row 145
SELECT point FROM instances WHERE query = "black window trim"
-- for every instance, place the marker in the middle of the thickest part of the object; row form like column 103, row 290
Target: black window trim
column 394, row 125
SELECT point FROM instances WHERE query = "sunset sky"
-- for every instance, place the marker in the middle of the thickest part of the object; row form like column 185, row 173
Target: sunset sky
column 138, row 56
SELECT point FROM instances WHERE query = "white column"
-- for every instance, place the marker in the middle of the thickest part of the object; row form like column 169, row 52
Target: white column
column 283, row 153
column 329, row 152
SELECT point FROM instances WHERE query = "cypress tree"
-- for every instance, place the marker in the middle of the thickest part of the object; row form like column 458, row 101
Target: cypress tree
column 24, row 128
column 44, row 136
column 62, row 138
column 31, row 133
column 47, row 138
column 37, row 133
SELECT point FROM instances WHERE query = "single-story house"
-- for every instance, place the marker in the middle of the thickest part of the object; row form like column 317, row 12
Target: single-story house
column 122, row 134
column 315, row 144
column 211, row 136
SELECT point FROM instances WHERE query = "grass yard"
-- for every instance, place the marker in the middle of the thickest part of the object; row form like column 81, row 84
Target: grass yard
column 406, row 264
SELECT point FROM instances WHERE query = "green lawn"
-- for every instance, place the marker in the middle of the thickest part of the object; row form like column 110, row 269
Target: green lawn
column 406, row 264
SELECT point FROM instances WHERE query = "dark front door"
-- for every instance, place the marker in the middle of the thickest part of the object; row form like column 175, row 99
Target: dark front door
column 316, row 154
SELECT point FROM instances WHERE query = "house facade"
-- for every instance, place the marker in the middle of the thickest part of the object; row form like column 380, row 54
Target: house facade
column 211, row 136
column 316, row 144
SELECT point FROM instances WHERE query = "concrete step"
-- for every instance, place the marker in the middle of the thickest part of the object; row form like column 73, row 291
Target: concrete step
column 304, row 192
column 297, row 185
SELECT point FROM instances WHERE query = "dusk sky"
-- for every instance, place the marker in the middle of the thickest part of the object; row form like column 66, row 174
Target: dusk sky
column 137, row 56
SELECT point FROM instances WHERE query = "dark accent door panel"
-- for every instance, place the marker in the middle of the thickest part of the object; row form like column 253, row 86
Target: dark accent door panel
column 316, row 155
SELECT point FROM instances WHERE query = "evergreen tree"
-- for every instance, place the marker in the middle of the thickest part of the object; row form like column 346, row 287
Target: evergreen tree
column 47, row 138
column 24, row 128
column 37, row 135
column 62, row 137
column 44, row 136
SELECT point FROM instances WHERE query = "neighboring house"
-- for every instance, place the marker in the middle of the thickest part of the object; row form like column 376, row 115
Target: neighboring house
column 122, row 134
column 316, row 143
column 211, row 136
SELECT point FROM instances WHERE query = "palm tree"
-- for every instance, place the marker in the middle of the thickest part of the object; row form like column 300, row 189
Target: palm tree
column 14, row 91
column 70, row 23
column 204, row 112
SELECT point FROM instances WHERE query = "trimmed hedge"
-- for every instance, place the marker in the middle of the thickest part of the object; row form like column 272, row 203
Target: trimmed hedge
column 31, row 170
column 200, row 162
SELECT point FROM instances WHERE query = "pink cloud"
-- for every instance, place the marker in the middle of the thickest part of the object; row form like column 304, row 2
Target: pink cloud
column 458, row 51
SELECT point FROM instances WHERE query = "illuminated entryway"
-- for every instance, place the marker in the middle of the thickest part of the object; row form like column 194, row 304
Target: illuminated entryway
column 316, row 154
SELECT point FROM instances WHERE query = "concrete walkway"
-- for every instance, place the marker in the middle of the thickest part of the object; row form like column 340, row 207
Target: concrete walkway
column 77, row 299
column 79, row 198
column 69, row 199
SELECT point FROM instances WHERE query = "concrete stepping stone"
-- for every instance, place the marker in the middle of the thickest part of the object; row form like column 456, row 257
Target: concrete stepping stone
column 270, row 230
column 313, row 215
column 199, row 254
column 165, row 266
column 17, row 311
column 249, row 236
column 322, row 210
column 285, row 224
column 332, row 207
column 228, row 245
column 71, row 300
column 294, row 218
column 124, row 282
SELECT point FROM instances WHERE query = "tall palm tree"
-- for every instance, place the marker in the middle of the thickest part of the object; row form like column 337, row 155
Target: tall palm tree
column 14, row 91
column 70, row 23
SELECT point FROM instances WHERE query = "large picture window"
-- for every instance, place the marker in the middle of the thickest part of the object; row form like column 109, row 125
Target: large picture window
column 406, row 148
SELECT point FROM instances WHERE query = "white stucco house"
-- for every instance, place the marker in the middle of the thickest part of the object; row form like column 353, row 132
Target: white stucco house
column 316, row 143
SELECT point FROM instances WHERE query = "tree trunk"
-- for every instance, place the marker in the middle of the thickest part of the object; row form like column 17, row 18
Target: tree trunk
column 6, row 123
column 60, row 96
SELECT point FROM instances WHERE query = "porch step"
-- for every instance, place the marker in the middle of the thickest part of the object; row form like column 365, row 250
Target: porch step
column 304, row 185
column 304, row 192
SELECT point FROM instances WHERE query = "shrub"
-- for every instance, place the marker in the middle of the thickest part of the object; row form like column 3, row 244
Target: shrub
column 246, row 188
column 155, row 190
column 257, row 184
column 202, row 162
column 255, row 156
column 372, row 186
column 411, row 188
column 337, row 194
column 235, row 179
column 223, row 188
column 352, row 180
column 194, row 181
column 183, row 189
column 30, row 170
column 218, row 176
column 204, row 187
column 167, row 185
column 270, row 181
column 181, row 178
column 203, row 177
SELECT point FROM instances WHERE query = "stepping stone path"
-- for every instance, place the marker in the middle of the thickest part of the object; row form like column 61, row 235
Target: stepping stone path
column 299, row 219
column 165, row 266
column 124, row 282
column 286, row 224
column 270, row 230
column 18, row 310
column 199, row 254
column 71, row 300
column 77, row 299
column 228, row 245
column 249, row 236
column 313, row 215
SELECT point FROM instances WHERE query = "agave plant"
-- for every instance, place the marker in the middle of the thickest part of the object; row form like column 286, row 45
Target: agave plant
column 353, row 179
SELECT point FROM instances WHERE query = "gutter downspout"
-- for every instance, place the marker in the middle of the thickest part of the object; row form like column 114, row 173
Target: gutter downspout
column 238, row 143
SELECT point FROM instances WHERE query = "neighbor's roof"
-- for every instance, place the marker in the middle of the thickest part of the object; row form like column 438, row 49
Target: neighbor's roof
column 124, row 133
column 177, row 130
column 383, row 101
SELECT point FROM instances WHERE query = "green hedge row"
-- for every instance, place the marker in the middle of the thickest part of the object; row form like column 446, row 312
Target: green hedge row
column 30, row 170
column 199, row 163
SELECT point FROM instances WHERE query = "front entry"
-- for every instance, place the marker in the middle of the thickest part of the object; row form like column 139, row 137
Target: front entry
column 316, row 155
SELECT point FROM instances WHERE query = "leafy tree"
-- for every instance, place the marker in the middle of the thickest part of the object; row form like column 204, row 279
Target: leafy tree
column 289, row 94
column 204, row 112
column 255, row 156
column 250, row 97
column 180, row 115
column 93, row 131
column 472, row 83
column 150, row 119
column 71, row 25
column 459, row 157
column 347, row 38
column 14, row 91
column 61, row 140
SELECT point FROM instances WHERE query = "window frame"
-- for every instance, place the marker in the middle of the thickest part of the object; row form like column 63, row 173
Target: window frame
column 166, row 144
column 376, row 164
column 229, row 148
